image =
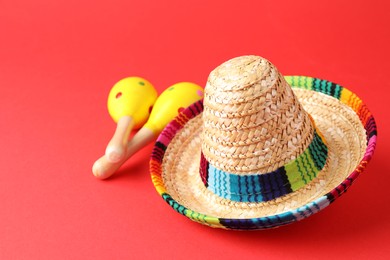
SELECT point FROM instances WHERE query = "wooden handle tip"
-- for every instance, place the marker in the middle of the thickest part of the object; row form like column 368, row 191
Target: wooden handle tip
column 99, row 171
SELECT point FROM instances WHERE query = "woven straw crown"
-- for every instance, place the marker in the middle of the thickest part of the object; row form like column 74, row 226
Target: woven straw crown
column 252, row 120
column 254, row 130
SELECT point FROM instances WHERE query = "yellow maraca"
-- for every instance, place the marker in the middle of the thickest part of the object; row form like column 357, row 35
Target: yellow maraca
column 131, row 97
column 170, row 102
column 167, row 106
column 129, row 103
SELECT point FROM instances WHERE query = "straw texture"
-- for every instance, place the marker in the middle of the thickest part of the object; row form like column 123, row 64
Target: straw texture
column 258, row 125
column 340, row 117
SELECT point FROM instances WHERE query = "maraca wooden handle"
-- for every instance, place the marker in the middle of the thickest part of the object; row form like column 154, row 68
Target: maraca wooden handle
column 104, row 168
column 116, row 148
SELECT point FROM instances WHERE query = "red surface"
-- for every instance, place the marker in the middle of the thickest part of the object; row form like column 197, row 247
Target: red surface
column 59, row 59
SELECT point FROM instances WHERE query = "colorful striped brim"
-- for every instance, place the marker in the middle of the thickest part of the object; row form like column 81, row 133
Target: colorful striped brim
column 341, row 116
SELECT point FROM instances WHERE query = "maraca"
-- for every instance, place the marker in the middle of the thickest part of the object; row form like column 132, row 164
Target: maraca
column 167, row 106
column 129, row 103
column 170, row 102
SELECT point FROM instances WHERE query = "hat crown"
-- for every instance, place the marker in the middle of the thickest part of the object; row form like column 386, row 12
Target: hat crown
column 238, row 73
column 253, row 122
column 259, row 144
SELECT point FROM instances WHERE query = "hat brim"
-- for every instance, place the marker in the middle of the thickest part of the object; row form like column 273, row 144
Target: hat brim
column 345, row 122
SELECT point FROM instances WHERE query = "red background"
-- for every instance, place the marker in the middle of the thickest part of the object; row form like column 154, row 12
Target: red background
column 58, row 61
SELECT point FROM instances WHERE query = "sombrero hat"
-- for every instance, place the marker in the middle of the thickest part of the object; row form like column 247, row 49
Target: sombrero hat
column 256, row 153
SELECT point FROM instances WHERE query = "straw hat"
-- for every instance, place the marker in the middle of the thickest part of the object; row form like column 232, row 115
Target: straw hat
column 257, row 153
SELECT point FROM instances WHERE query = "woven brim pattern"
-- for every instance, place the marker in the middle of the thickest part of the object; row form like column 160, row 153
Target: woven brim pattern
column 346, row 123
